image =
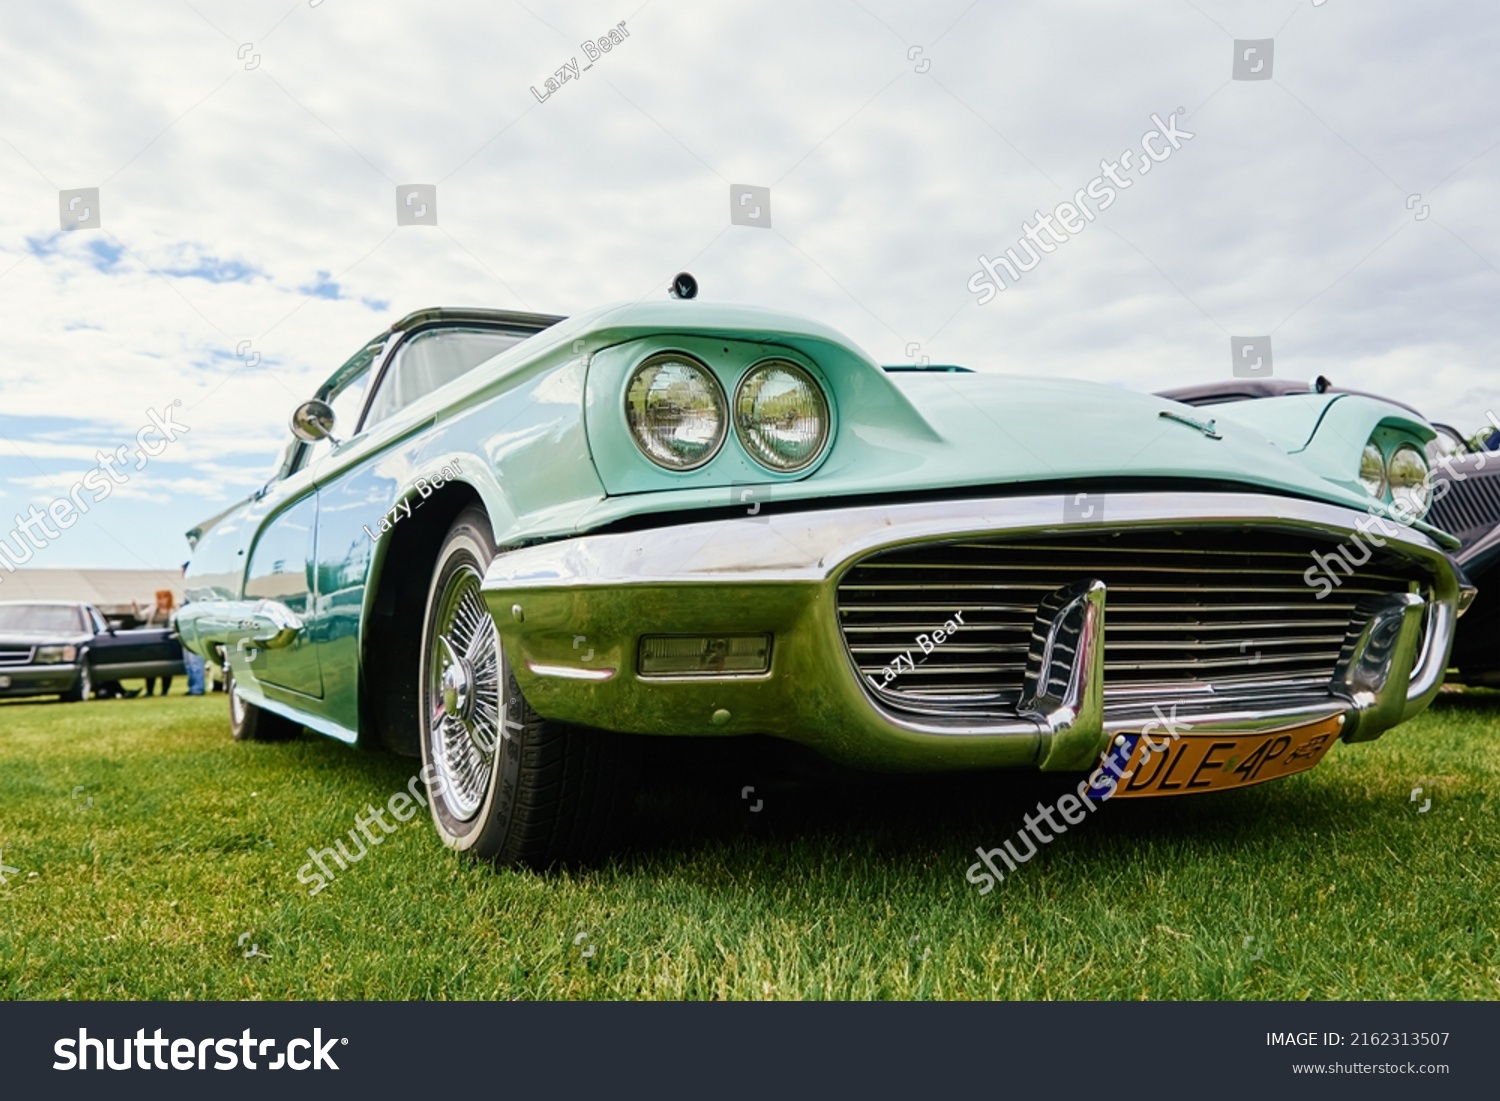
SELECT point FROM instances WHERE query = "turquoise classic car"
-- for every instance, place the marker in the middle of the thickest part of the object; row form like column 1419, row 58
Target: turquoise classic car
column 499, row 541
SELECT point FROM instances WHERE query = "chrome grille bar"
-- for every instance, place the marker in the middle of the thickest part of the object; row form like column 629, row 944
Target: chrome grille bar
column 1190, row 615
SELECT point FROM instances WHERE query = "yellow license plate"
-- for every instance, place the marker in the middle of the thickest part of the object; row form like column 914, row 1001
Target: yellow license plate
column 1192, row 763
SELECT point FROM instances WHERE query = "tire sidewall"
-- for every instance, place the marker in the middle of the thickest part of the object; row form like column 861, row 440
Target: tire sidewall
column 239, row 709
column 469, row 544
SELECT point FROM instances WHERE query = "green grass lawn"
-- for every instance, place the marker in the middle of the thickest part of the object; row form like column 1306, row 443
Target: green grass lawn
column 1332, row 884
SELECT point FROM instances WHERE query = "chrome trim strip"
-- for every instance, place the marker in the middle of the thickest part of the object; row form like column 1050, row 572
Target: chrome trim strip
column 783, row 547
column 569, row 672
column 125, row 669
column 50, row 669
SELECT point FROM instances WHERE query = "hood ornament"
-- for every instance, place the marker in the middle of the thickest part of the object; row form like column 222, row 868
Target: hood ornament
column 1206, row 427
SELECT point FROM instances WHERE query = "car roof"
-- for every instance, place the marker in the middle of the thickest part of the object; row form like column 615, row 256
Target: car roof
column 438, row 314
column 1249, row 389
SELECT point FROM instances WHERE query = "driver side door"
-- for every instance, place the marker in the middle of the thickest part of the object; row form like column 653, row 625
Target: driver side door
column 281, row 563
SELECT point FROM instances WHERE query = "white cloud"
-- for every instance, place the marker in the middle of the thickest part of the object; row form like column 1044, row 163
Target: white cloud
column 1285, row 214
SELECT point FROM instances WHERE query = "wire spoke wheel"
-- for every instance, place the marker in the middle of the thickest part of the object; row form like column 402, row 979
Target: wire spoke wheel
column 465, row 698
column 504, row 784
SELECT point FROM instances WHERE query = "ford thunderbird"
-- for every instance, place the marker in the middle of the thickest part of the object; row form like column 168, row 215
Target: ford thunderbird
column 500, row 541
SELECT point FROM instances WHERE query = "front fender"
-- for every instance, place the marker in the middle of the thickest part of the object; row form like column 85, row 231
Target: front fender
column 1348, row 423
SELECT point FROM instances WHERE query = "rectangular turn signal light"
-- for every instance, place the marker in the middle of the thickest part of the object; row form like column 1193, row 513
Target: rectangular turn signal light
column 704, row 655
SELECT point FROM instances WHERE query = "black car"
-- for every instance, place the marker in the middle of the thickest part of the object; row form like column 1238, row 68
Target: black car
column 1466, row 504
column 55, row 648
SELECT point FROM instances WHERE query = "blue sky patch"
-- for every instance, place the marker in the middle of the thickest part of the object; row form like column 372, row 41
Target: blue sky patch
column 323, row 287
column 106, row 254
column 215, row 270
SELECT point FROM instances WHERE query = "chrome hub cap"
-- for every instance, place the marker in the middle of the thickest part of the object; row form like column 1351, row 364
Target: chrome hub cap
column 464, row 694
column 457, row 682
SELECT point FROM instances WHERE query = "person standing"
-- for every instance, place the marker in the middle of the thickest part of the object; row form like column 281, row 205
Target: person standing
column 193, row 662
column 161, row 616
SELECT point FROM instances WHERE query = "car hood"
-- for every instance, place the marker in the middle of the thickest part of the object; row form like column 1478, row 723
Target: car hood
column 1030, row 429
column 1067, row 431
column 914, row 431
column 941, row 432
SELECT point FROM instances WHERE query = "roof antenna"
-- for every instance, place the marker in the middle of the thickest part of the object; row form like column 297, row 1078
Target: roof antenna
column 683, row 286
column 1321, row 385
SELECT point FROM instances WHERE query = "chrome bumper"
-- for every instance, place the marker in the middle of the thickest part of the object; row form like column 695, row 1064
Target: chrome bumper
column 571, row 614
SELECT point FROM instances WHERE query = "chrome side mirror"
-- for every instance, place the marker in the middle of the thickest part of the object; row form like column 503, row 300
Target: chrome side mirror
column 313, row 421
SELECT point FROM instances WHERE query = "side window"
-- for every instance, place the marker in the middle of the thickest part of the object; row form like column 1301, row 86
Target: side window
column 431, row 359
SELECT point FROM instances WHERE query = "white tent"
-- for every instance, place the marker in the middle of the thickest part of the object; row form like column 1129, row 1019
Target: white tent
column 113, row 592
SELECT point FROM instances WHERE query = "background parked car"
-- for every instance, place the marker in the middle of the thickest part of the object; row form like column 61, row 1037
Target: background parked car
column 57, row 648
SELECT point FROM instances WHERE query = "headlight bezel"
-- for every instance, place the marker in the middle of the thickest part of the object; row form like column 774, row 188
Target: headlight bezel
column 824, row 414
column 716, row 390
column 55, row 655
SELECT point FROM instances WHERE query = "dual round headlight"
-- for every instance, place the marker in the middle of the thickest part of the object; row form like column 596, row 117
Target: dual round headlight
column 1372, row 471
column 1411, row 483
column 1405, row 474
column 675, row 408
column 781, row 416
column 678, row 416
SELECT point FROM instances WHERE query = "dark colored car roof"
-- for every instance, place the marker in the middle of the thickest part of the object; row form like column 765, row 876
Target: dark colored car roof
column 475, row 314
column 1249, row 389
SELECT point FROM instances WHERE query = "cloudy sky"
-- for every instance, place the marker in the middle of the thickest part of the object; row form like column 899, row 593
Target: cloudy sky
column 248, row 156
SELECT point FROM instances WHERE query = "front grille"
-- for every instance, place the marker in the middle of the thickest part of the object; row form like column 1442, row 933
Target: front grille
column 15, row 655
column 1187, row 615
column 1468, row 509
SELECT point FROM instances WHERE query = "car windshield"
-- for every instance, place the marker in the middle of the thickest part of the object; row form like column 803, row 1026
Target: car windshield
column 432, row 359
column 1446, row 442
column 40, row 617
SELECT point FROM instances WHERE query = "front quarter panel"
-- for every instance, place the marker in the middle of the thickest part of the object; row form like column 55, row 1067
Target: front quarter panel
column 519, row 446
